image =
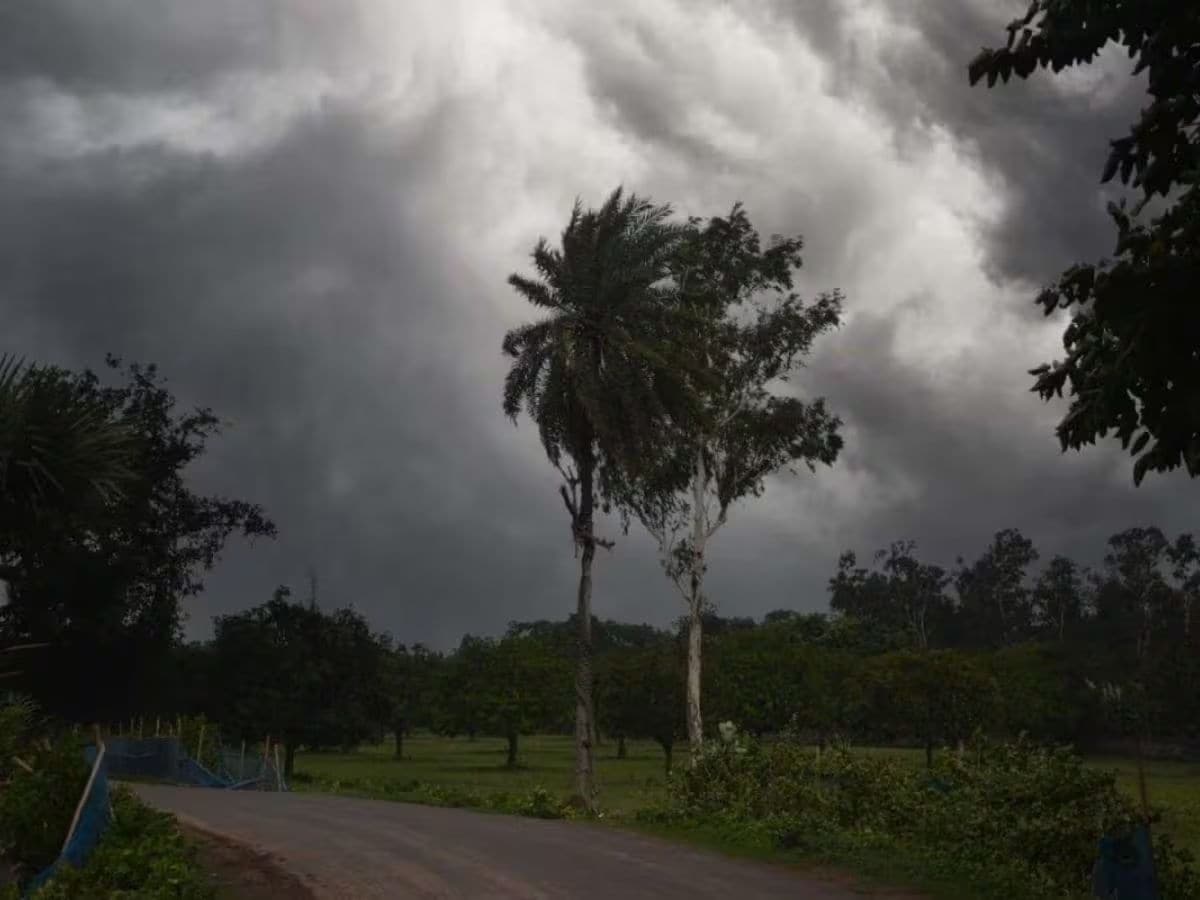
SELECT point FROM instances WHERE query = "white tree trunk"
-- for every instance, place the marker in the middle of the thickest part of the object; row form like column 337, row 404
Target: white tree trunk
column 695, row 721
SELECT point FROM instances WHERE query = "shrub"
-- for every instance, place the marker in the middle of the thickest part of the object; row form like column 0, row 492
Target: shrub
column 36, row 808
column 1016, row 816
column 539, row 803
column 142, row 855
column 18, row 720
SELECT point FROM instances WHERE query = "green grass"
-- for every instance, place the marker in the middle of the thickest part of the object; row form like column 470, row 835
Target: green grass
column 1172, row 786
column 635, row 782
column 545, row 761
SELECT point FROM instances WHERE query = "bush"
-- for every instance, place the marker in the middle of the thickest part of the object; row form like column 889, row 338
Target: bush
column 1014, row 816
column 18, row 721
column 142, row 855
column 36, row 808
column 538, row 803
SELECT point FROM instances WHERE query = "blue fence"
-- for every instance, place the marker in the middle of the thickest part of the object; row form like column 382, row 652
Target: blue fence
column 1126, row 867
column 160, row 758
column 164, row 759
column 143, row 758
column 91, row 819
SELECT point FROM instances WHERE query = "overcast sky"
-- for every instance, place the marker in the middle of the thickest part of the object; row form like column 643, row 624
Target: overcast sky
column 305, row 213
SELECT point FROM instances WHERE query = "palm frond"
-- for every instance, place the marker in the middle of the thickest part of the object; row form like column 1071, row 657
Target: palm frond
column 605, row 377
column 57, row 446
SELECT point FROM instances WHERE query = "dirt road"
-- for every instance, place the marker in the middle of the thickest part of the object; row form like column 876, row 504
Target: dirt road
column 347, row 848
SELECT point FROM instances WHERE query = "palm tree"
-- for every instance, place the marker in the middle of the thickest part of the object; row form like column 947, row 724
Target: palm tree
column 597, row 377
column 60, row 452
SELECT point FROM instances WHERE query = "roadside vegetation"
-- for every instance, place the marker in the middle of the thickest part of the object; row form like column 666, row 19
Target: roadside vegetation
column 460, row 772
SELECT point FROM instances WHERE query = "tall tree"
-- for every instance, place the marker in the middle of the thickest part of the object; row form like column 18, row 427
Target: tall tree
column 1185, row 568
column 1135, row 564
column 901, row 598
column 862, row 594
column 593, row 376
column 1131, row 364
column 748, row 330
column 995, row 603
column 917, row 591
column 1060, row 596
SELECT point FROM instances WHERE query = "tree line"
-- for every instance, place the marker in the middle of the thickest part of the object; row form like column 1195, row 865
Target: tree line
column 909, row 653
column 1004, row 641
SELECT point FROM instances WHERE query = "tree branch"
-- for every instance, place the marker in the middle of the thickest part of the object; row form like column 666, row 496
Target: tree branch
column 570, row 504
column 721, row 519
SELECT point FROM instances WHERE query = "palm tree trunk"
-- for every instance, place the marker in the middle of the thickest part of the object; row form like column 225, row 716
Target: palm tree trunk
column 585, row 787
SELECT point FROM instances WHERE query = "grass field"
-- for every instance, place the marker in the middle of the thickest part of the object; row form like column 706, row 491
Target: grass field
column 634, row 782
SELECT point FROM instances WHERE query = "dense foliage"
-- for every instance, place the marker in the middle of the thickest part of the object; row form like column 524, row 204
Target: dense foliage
column 1131, row 366
column 746, row 331
column 103, row 581
column 913, row 654
column 297, row 674
column 38, row 802
column 1011, row 818
column 142, row 855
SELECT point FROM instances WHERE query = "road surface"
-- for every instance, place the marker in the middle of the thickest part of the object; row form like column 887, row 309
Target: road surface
column 342, row 847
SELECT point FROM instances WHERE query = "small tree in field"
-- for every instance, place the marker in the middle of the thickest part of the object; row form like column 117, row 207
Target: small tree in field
column 747, row 331
column 935, row 695
column 412, row 680
column 642, row 697
column 523, row 689
column 303, row 676
column 594, row 376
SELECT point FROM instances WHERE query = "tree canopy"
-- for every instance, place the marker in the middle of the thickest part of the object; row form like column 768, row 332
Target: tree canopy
column 300, row 675
column 1132, row 368
column 103, row 576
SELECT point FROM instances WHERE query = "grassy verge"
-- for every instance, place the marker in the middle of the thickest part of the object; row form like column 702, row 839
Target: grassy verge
column 476, row 769
column 143, row 854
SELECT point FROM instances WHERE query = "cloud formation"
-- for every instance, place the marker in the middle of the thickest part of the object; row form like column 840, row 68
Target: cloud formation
column 305, row 213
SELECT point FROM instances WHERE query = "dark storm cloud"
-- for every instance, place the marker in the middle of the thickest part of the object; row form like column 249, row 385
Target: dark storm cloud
column 981, row 453
column 1048, row 146
column 321, row 284
column 292, row 291
column 129, row 45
